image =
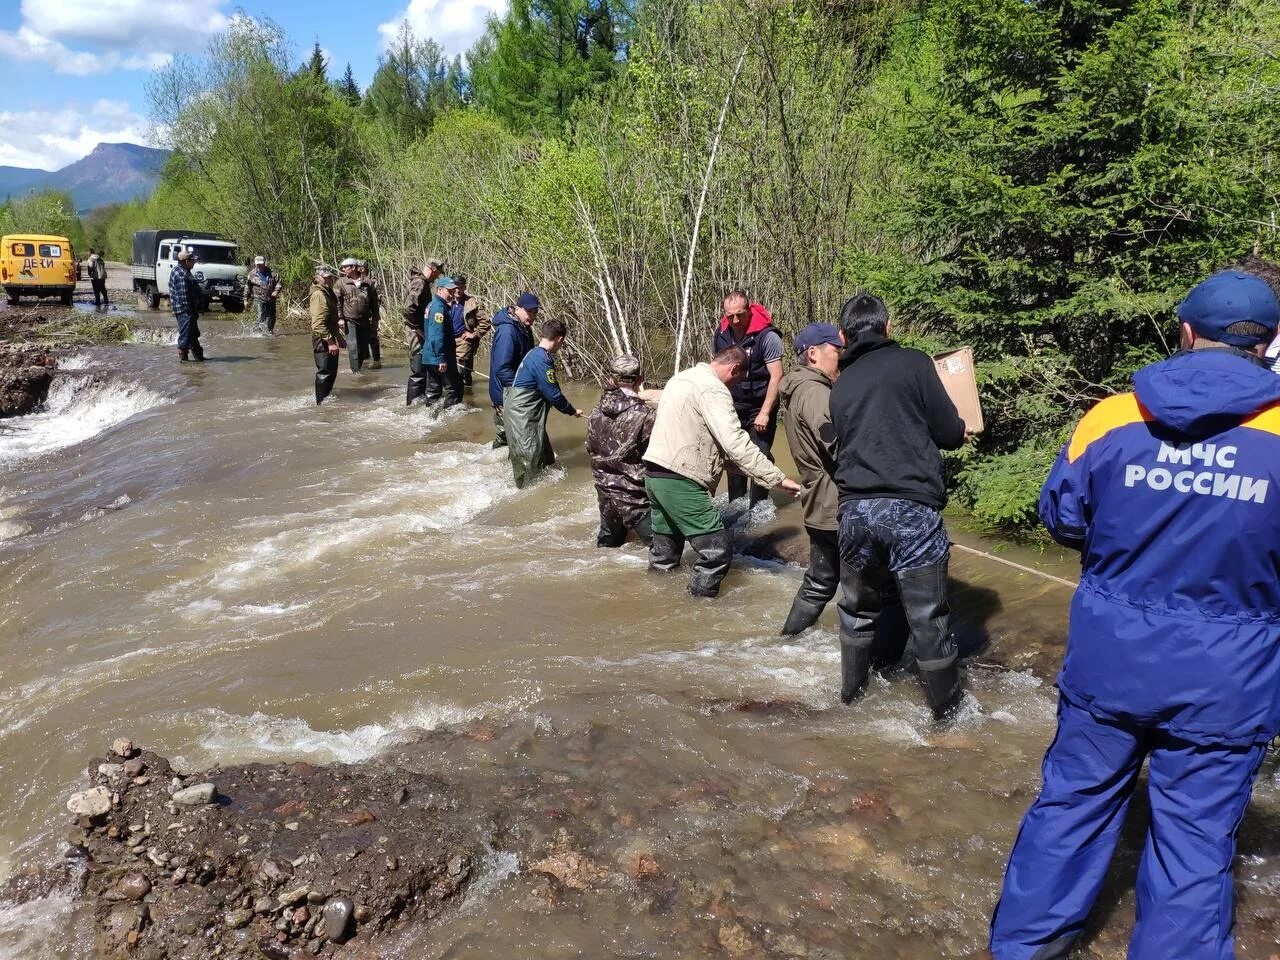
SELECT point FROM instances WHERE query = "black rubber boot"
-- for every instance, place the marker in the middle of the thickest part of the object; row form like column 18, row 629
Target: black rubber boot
column 665, row 551
column 855, row 665
column 820, row 583
column 715, row 554
column 924, row 601
column 859, row 608
column 197, row 353
column 417, row 386
column 183, row 356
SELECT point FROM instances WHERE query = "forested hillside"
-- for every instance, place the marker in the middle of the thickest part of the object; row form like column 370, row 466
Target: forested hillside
column 1043, row 180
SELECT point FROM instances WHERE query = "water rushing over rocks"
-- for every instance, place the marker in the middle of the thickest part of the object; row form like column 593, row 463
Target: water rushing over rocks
column 314, row 609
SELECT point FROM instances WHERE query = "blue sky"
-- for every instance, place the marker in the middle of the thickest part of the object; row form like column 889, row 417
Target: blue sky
column 76, row 70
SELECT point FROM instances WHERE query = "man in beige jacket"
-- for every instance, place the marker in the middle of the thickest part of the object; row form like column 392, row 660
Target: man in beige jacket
column 695, row 431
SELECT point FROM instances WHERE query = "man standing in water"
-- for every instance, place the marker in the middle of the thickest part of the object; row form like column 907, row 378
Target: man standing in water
column 755, row 396
column 359, row 312
column 326, row 337
column 439, row 362
column 695, row 430
column 512, row 339
column 415, row 310
column 184, row 300
column 527, row 402
column 375, row 322
column 1173, row 646
column 261, row 291
column 469, row 327
column 806, row 391
column 891, row 417
column 618, row 432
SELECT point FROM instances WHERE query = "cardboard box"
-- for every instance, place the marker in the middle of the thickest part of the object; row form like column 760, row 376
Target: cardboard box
column 955, row 369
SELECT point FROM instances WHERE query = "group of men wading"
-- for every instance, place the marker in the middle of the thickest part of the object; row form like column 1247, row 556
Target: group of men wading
column 1173, row 655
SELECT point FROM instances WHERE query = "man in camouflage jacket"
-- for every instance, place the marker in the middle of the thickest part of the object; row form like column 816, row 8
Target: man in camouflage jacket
column 618, row 432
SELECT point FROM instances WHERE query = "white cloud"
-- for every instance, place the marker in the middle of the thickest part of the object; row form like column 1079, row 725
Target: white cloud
column 50, row 140
column 126, row 34
column 454, row 24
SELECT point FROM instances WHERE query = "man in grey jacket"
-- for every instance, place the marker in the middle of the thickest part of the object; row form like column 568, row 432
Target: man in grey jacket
column 695, row 430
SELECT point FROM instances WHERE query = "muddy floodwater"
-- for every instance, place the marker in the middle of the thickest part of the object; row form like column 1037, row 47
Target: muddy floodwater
column 200, row 559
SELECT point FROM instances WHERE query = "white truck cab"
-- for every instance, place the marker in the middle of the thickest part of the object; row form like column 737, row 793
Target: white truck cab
column 217, row 269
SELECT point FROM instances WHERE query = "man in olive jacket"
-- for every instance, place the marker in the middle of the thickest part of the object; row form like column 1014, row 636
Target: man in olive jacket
column 326, row 338
column 806, row 391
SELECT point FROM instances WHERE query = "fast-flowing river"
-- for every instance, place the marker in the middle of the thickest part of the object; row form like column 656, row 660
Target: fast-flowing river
column 199, row 558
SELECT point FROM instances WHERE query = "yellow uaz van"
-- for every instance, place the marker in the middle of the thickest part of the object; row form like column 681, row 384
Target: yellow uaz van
column 36, row 265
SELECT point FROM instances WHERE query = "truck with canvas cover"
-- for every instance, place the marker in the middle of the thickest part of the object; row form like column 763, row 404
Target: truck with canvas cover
column 217, row 270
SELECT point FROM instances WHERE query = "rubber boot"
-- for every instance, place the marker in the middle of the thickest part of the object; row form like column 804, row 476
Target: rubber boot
column 182, row 356
column 820, row 583
column 197, row 353
column 855, row 665
column 924, row 601
column 715, row 554
column 859, row 608
column 665, row 551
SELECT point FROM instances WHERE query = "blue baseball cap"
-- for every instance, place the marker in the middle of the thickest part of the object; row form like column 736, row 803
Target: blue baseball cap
column 445, row 283
column 527, row 301
column 1231, row 297
column 816, row 334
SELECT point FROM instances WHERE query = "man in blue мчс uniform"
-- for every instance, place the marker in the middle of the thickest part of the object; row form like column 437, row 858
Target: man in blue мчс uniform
column 439, row 361
column 526, row 403
column 1170, row 493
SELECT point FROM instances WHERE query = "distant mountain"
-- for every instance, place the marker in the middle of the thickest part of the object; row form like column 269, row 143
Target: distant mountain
column 112, row 173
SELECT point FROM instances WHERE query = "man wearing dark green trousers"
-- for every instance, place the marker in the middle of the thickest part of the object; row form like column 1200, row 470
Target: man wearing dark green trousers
column 696, row 429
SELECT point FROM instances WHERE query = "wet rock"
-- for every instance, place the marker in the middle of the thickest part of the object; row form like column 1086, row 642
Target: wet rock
column 195, row 796
column 90, row 803
column 133, row 886
column 123, row 747
column 110, row 770
column 571, row 869
column 294, row 895
column 235, row 919
column 337, row 914
column 355, row 818
column 135, row 767
column 734, row 939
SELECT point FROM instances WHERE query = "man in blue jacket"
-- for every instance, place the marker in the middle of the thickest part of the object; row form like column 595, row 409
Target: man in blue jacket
column 439, row 361
column 526, row 403
column 512, row 339
column 1172, row 496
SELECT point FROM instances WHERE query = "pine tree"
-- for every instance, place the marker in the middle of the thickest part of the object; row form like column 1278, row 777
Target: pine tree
column 316, row 66
column 348, row 89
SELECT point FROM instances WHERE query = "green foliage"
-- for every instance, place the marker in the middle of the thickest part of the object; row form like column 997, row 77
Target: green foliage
column 45, row 211
column 414, row 85
column 536, row 62
column 1053, row 177
column 348, row 89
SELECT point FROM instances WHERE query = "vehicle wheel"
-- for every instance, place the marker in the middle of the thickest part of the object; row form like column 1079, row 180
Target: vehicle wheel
column 233, row 305
column 153, row 298
column 12, row 298
column 66, row 299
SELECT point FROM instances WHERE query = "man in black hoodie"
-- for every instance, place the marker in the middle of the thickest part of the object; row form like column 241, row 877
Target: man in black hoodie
column 891, row 417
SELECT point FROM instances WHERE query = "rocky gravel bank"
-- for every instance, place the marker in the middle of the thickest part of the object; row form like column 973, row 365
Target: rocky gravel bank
column 26, row 370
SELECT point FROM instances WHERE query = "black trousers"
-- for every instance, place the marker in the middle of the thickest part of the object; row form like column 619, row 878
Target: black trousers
column 358, row 344
column 326, row 372
column 764, row 441
column 99, row 291
column 417, row 377
column 445, row 383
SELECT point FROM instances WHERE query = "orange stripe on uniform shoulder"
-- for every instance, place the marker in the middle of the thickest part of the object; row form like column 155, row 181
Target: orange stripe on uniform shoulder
column 1107, row 415
column 1267, row 420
